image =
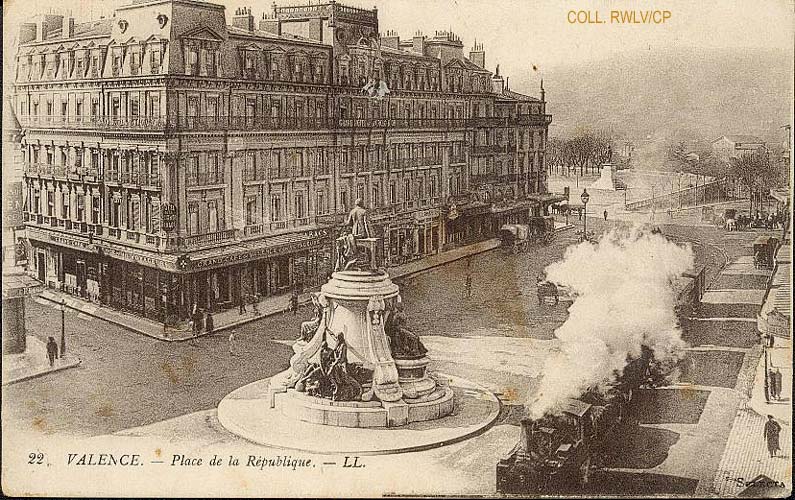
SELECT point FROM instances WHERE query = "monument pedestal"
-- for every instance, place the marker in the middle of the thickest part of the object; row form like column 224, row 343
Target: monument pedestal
column 357, row 306
column 606, row 181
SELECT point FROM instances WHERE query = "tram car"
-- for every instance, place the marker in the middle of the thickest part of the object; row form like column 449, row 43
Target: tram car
column 556, row 452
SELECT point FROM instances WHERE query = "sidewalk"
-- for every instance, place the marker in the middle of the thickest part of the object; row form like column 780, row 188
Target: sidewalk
column 778, row 357
column 33, row 362
column 269, row 306
column 751, row 457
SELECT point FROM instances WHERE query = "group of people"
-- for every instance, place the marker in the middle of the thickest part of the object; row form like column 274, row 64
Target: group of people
column 201, row 320
column 758, row 220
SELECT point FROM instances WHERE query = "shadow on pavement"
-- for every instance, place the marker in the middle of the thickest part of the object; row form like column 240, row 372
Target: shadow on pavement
column 708, row 310
column 640, row 448
column 715, row 368
column 625, row 484
column 720, row 333
column 669, row 406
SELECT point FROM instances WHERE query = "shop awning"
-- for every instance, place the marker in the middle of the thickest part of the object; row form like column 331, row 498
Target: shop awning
column 546, row 198
column 247, row 251
column 522, row 205
column 20, row 285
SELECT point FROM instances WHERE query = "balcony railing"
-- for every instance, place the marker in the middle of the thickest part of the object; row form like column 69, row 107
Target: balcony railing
column 95, row 122
column 203, row 179
column 208, row 238
column 503, row 121
column 211, row 123
column 492, row 149
column 531, row 120
column 253, row 230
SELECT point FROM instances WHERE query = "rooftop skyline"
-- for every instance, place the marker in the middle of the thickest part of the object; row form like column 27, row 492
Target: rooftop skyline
column 545, row 36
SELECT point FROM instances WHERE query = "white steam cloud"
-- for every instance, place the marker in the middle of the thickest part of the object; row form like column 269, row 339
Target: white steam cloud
column 624, row 299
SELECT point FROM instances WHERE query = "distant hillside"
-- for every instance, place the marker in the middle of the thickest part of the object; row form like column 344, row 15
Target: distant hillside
column 674, row 94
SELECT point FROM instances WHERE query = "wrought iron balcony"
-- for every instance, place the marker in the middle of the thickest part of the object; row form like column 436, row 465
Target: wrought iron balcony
column 531, row 120
column 95, row 122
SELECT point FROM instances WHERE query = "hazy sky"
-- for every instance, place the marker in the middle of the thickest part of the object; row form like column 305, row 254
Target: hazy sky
column 521, row 33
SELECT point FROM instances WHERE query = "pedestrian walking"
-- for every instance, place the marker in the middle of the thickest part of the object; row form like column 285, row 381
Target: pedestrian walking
column 232, row 350
column 196, row 318
column 772, row 431
column 52, row 351
column 771, row 382
column 242, row 304
column 255, row 305
column 294, row 302
column 779, row 381
column 209, row 323
column 468, row 286
column 605, row 214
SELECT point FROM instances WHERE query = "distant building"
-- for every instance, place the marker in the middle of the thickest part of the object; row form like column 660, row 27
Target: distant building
column 733, row 146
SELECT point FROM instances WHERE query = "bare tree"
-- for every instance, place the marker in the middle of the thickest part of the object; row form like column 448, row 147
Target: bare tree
column 754, row 171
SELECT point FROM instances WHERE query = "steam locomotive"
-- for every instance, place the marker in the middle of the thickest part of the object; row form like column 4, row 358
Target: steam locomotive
column 555, row 453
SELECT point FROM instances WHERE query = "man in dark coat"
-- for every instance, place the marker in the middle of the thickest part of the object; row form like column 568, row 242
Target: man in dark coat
column 772, row 430
column 771, row 377
column 779, row 381
column 294, row 302
column 52, row 351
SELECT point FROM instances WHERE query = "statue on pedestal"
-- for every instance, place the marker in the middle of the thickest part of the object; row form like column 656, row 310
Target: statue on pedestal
column 359, row 236
column 403, row 343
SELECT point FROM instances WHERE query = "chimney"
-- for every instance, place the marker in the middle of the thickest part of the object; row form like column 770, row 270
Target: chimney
column 243, row 19
column 27, row 32
column 543, row 97
column 47, row 23
column 391, row 40
column 498, row 82
column 418, row 43
column 69, row 27
column 269, row 25
column 477, row 55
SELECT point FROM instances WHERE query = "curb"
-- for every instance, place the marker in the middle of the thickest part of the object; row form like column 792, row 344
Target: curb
column 23, row 378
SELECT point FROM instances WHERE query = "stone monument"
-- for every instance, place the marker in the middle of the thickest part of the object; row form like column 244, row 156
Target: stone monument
column 356, row 364
column 606, row 181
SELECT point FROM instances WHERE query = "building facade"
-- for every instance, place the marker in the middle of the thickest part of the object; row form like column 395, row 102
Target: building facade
column 172, row 160
column 727, row 147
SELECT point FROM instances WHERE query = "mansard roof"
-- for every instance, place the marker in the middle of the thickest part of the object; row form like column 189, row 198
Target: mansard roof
column 519, row 97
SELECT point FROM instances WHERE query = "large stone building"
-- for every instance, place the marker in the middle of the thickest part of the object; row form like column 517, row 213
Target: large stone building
column 258, row 136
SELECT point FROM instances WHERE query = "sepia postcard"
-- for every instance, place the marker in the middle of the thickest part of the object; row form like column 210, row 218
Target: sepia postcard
column 411, row 248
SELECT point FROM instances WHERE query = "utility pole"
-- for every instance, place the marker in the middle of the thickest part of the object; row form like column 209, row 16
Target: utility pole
column 63, row 327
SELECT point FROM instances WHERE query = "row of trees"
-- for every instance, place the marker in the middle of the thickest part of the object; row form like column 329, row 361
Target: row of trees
column 586, row 151
column 754, row 171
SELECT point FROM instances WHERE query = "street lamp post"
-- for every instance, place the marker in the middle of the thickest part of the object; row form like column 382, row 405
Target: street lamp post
column 767, row 383
column 63, row 327
column 585, row 197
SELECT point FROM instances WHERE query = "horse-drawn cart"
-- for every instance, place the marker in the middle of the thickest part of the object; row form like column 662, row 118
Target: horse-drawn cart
column 515, row 237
